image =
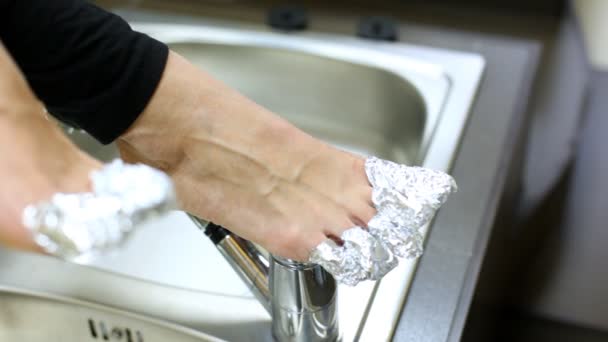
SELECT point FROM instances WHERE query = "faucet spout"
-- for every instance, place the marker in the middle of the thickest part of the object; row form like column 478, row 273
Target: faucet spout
column 244, row 257
column 303, row 302
column 300, row 297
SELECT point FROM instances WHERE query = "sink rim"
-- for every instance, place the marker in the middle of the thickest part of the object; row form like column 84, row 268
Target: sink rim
column 7, row 290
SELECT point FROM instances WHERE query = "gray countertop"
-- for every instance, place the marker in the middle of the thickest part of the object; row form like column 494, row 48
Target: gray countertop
column 443, row 287
column 444, row 284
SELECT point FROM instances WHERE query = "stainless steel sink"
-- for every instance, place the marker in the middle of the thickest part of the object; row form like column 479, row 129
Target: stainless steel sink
column 406, row 103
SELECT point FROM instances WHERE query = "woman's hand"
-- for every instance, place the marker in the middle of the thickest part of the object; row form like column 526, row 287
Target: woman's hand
column 36, row 159
column 243, row 167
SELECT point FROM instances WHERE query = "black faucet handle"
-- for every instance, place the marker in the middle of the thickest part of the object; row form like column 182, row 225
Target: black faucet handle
column 288, row 18
column 378, row 28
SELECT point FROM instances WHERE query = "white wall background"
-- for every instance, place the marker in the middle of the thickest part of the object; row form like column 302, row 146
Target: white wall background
column 570, row 275
column 593, row 18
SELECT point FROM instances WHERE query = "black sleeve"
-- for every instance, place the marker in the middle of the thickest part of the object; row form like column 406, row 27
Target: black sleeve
column 87, row 65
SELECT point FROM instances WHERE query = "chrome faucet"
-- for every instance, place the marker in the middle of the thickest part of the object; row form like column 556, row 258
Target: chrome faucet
column 300, row 297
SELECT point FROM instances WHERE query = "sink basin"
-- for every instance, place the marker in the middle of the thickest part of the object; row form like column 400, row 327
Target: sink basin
column 401, row 102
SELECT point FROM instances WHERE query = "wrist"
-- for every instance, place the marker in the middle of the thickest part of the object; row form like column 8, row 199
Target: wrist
column 39, row 159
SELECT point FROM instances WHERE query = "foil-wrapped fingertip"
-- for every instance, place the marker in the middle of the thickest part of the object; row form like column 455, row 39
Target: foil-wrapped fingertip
column 406, row 198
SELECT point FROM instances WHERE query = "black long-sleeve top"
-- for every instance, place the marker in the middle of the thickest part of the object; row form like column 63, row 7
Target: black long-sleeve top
column 87, row 65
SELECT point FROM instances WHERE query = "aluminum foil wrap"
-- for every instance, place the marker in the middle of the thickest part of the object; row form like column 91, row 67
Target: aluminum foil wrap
column 75, row 225
column 406, row 198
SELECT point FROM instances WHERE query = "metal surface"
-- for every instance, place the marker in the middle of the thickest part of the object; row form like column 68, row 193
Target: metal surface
column 303, row 302
column 245, row 260
column 301, row 297
column 442, row 290
column 405, row 103
column 31, row 317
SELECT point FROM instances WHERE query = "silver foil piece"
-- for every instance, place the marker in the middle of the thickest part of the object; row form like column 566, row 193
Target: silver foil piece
column 77, row 225
column 403, row 241
column 360, row 257
column 373, row 257
column 406, row 198
column 408, row 194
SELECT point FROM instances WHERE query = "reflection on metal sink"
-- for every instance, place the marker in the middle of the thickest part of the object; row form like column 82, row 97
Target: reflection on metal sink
column 405, row 103
column 35, row 317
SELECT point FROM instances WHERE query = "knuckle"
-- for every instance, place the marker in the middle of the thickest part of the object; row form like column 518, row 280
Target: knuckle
column 369, row 214
column 288, row 239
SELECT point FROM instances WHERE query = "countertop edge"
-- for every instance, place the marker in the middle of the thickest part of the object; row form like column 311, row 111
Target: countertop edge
column 517, row 131
column 453, row 284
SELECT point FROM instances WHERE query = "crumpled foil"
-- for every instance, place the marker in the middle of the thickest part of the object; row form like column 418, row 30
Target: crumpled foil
column 406, row 198
column 73, row 225
column 361, row 257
